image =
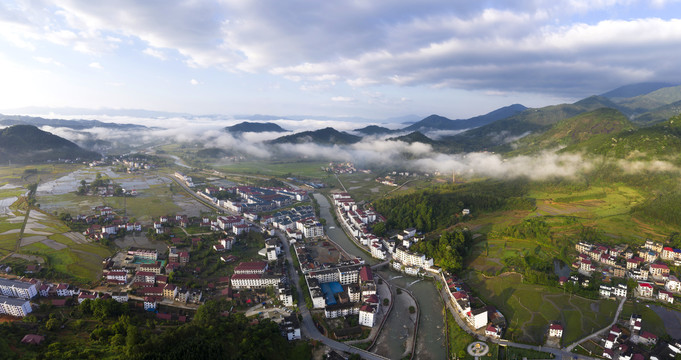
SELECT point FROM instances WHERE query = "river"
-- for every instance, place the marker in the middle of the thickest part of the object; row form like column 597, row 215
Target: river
column 431, row 342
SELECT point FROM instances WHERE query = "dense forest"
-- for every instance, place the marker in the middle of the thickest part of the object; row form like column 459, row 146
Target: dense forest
column 120, row 333
column 440, row 207
column 448, row 250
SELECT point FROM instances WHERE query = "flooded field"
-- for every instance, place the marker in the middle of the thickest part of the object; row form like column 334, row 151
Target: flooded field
column 5, row 203
column 156, row 196
column 69, row 183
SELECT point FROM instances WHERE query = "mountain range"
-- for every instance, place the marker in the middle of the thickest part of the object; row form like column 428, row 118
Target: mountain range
column 633, row 114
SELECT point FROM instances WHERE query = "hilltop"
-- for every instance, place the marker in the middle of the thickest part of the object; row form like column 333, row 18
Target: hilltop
column 255, row 127
column 326, row 136
column 28, row 144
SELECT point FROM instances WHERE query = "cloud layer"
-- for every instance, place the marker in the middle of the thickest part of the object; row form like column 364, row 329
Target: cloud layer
column 561, row 47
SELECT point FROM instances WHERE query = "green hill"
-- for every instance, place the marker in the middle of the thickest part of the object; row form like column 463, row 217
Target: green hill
column 27, row 144
column 326, row 136
column 659, row 141
column 497, row 135
column 578, row 129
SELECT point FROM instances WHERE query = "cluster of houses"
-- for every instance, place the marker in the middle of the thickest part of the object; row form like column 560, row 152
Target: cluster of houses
column 472, row 309
column 134, row 164
column 166, row 222
column 404, row 259
column 645, row 266
column 386, row 180
column 297, row 223
column 341, row 289
column 254, row 199
column 105, row 223
column 144, row 273
column 621, row 342
column 340, row 168
column 356, row 222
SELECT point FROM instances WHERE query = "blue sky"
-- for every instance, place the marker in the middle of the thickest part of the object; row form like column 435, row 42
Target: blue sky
column 373, row 59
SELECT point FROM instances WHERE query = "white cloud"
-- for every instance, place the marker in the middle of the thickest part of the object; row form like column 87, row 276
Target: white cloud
column 193, row 82
column 155, row 53
column 95, row 65
column 48, row 60
column 342, row 99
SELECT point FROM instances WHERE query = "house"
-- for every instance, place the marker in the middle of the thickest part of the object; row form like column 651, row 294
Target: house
column 665, row 296
column 673, row 284
column 586, row 265
column 635, row 322
column 121, row 297
column 45, row 290
column 659, row 270
column 170, row 291
column 149, row 303
column 64, row 290
column 620, row 290
column 647, row 338
column 556, row 330
column 493, row 332
column 605, row 291
column 87, row 296
column 290, row 326
column 645, row 289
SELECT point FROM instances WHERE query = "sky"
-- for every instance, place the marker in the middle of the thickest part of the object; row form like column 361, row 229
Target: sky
column 374, row 59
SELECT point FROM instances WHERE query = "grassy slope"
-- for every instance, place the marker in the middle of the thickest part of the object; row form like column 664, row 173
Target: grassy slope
column 530, row 308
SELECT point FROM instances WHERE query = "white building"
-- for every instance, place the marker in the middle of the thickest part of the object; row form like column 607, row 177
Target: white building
column 673, row 284
column 605, row 291
column 377, row 251
column 620, row 290
column 556, row 330
column 17, row 289
column 149, row 303
column 121, row 297
column 14, row 307
column 251, row 281
column 477, row 317
column 367, row 315
column 408, row 258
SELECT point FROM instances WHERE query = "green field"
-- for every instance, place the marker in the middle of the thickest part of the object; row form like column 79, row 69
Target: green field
column 529, row 309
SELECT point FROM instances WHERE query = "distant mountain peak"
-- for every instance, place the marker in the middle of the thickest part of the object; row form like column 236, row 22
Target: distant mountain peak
column 256, row 127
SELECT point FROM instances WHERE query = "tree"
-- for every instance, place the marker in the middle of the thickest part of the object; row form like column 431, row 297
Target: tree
column 52, row 324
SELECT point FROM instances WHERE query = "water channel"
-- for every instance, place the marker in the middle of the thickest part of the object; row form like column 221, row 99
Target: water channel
column 431, row 342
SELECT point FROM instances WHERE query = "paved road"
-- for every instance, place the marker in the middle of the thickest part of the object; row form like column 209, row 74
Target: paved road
column 617, row 315
column 307, row 326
